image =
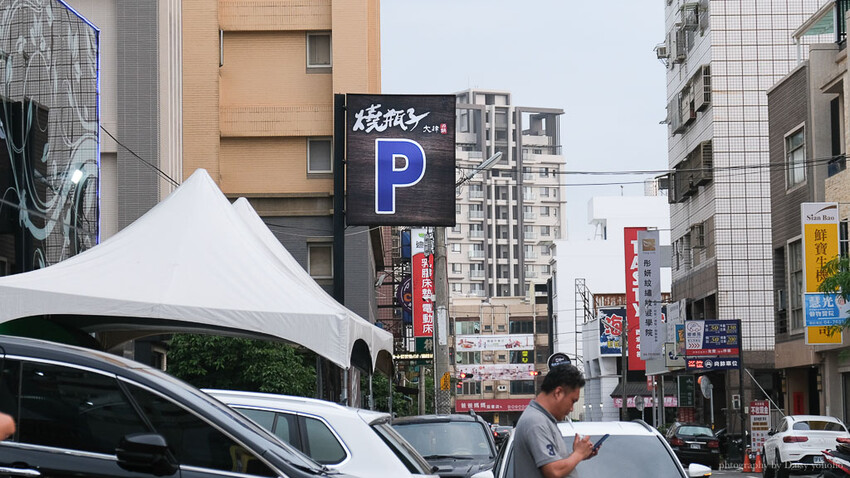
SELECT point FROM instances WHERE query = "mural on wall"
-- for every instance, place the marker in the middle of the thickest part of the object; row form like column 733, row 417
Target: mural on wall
column 49, row 138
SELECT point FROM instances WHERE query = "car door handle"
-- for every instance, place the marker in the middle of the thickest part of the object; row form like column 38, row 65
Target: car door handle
column 19, row 472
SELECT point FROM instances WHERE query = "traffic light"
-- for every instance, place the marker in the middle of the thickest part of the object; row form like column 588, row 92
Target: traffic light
column 462, row 375
column 468, row 375
column 534, row 373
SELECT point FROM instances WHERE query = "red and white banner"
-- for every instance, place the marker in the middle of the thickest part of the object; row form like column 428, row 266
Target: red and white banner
column 423, row 285
column 632, row 304
column 494, row 405
column 759, row 422
column 475, row 343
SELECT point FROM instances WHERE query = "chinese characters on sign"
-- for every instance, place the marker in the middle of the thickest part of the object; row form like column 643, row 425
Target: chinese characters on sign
column 820, row 245
column 423, row 285
column 520, row 371
column 759, row 422
column 610, row 330
column 493, row 405
column 474, row 343
column 653, row 331
column 400, row 160
column 712, row 344
column 632, row 305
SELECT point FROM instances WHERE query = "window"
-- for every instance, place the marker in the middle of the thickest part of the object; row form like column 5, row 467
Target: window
column 319, row 50
column 476, row 289
column 467, row 327
column 320, row 260
column 545, row 231
column 521, row 326
column 522, row 387
column 323, row 445
column 795, row 285
column 470, row 388
column 468, row 357
column 455, row 248
column 544, row 211
column 457, row 287
column 319, row 153
column 544, row 192
column 521, row 356
column 795, row 158
column 545, row 250
column 457, row 268
column 543, row 172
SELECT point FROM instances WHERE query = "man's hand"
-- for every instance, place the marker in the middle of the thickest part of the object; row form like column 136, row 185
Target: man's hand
column 582, row 447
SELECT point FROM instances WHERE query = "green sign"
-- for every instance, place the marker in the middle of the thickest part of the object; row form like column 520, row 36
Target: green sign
column 686, row 390
column 424, row 345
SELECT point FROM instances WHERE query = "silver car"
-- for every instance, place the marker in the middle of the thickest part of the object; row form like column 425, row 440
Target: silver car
column 633, row 449
column 353, row 441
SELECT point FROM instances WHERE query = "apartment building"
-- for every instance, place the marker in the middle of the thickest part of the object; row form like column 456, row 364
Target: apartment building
column 807, row 111
column 508, row 215
column 721, row 57
column 258, row 84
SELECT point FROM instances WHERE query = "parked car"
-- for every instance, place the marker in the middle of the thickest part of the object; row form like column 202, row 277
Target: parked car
column 460, row 446
column 633, row 449
column 81, row 412
column 694, row 443
column 501, row 433
column 355, row 441
column 798, row 442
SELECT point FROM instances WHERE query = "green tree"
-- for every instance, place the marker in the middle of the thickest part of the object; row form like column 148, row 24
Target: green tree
column 402, row 405
column 208, row 361
column 837, row 281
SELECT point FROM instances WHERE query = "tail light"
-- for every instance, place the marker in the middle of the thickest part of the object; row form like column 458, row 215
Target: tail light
column 713, row 444
column 795, row 439
column 842, row 440
column 676, row 441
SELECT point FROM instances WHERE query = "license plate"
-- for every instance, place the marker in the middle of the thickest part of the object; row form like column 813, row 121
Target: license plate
column 695, row 446
column 819, row 460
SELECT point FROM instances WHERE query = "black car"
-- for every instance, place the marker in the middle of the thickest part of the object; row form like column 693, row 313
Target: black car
column 694, row 443
column 460, row 446
column 82, row 412
column 501, row 433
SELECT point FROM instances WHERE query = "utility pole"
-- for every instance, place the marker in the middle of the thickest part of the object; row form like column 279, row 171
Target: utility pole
column 441, row 308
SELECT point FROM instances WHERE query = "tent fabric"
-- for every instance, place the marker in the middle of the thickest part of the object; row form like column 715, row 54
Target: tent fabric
column 191, row 264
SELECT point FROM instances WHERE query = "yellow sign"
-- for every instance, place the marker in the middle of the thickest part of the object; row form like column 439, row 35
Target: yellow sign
column 820, row 240
column 823, row 336
column 445, row 381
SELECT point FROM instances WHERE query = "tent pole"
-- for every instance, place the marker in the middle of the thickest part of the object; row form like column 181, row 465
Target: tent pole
column 371, row 397
column 344, row 397
column 319, row 391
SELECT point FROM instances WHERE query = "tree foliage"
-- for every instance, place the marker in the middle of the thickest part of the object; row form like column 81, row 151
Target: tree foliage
column 837, row 281
column 207, row 361
column 403, row 405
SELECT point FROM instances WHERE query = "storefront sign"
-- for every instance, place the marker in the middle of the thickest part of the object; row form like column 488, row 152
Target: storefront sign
column 493, row 405
column 610, row 329
column 497, row 371
column 759, row 422
column 652, row 329
column 712, row 338
column 423, row 285
column 474, row 343
column 820, row 245
column 632, row 304
column 708, row 364
column 669, row 401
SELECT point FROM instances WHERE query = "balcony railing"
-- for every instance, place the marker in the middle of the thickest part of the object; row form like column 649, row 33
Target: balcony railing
column 476, row 214
column 836, row 165
column 476, row 274
column 841, row 7
column 476, row 194
column 476, row 233
column 476, row 254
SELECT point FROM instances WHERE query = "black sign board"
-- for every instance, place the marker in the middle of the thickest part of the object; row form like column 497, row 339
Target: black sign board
column 686, row 390
column 558, row 358
column 400, row 152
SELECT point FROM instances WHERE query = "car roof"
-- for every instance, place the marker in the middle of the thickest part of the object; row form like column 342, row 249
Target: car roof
column 455, row 417
column 298, row 404
column 803, row 418
column 602, row 428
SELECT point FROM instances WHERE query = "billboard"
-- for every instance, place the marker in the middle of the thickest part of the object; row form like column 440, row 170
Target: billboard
column 653, row 331
column 712, row 338
column 820, row 245
column 610, row 330
column 422, row 266
column 476, row 343
column 632, row 305
column 400, row 152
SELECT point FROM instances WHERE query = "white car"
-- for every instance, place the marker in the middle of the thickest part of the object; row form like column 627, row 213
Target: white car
column 798, row 441
column 633, row 449
column 351, row 440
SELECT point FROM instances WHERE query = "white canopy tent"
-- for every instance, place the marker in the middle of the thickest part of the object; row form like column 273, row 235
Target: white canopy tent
column 193, row 264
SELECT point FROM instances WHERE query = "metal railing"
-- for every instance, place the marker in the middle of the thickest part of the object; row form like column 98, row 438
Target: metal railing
column 836, row 165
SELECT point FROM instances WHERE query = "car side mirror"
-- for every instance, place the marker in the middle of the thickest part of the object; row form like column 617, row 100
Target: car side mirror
column 771, row 432
column 695, row 469
column 146, row 453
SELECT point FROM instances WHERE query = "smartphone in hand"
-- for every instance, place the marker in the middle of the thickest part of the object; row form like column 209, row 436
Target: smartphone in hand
column 599, row 443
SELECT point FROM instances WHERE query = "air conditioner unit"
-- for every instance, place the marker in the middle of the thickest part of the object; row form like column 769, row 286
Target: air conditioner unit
column 702, row 88
column 703, row 163
column 502, row 388
column 661, row 51
column 781, row 300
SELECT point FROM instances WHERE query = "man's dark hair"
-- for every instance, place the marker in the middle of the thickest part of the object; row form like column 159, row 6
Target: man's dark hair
column 562, row 376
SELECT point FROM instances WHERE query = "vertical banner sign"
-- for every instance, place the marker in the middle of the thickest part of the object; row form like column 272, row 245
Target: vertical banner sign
column 611, row 331
column 653, row 332
column 423, row 285
column 400, row 152
column 632, row 305
column 759, row 422
column 820, row 245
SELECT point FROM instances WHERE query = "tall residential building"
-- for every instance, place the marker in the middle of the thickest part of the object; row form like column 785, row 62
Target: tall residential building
column 508, row 215
column 259, row 80
column 721, row 57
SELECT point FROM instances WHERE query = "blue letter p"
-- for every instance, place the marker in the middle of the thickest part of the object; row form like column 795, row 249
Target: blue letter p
column 388, row 176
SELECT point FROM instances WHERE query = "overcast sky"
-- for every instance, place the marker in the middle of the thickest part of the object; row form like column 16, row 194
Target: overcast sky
column 594, row 60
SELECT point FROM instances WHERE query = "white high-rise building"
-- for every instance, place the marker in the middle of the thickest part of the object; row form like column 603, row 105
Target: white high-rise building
column 508, row 215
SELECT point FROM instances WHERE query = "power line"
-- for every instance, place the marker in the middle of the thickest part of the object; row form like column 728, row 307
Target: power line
column 149, row 164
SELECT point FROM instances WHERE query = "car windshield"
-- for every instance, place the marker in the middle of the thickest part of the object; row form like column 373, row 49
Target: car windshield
column 821, row 425
column 454, row 439
column 628, row 455
column 402, row 449
column 695, row 431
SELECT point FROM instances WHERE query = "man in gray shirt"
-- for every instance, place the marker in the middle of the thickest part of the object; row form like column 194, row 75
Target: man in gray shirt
column 539, row 448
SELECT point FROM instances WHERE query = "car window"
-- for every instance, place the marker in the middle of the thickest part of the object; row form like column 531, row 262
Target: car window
column 695, row 431
column 264, row 418
column 193, row 441
column 627, row 455
column 66, row 407
column 784, row 426
column 321, row 444
column 821, row 425
column 448, row 438
column 286, row 428
column 403, row 450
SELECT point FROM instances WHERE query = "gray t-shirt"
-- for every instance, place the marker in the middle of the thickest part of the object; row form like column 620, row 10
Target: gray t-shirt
column 537, row 441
